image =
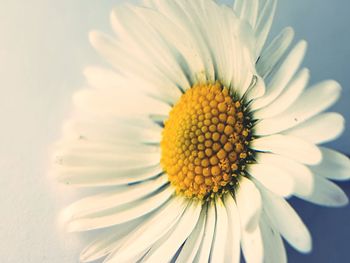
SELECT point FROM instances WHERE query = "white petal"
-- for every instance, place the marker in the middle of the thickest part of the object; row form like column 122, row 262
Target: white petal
column 301, row 174
column 282, row 76
column 320, row 129
column 272, row 54
column 264, row 23
column 313, row 101
column 252, row 246
column 192, row 244
column 99, row 77
column 203, row 253
column 288, row 146
column 118, row 102
column 232, row 251
column 273, row 178
column 143, row 237
column 178, row 30
column 93, row 177
column 248, row 202
column 141, row 71
column 287, row 221
column 178, row 235
column 221, row 232
column 122, row 214
column 126, row 20
column 107, row 242
column 247, row 10
column 326, row 193
column 108, row 200
column 126, row 130
column 274, row 250
column 334, row 165
column 287, row 98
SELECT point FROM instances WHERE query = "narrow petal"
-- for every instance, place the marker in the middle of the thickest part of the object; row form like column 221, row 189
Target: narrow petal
column 273, row 178
column 117, row 102
column 287, row 221
column 192, row 244
column 283, row 75
column 203, row 253
column 247, row 11
column 320, row 129
column 274, row 250
column 107, row 242
column 334, row 165
column 273, row 53
column 221, row 231
column 143, row 237
column 326, row 193
column 313, row 101
column 289, row 146
column 108, row 200
column 121, row 215
column 287, row 98
column 249, row 204
column 264, row 22
column 98, row 177
column 232, row 251
column 179, row 234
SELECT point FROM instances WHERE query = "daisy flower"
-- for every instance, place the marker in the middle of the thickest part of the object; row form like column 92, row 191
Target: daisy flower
column 197, row 135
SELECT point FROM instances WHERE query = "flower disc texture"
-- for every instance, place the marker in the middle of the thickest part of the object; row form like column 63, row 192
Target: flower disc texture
column 196, row 136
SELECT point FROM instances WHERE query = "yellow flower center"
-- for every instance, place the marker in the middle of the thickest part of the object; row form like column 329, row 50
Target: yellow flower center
column 205, row 141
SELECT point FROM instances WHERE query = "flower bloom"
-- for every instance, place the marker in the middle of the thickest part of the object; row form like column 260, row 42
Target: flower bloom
column 197, row 135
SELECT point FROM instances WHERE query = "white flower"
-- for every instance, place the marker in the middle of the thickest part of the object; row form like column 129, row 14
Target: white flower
column 197, row 135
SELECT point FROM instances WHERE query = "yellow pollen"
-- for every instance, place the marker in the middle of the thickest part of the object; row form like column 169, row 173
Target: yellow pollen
column 204, row 141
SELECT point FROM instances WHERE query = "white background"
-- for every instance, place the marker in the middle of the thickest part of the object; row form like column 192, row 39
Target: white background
column 43, row 49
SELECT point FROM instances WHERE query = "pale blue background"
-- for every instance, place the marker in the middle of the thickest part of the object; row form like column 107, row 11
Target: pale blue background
column 43, row 49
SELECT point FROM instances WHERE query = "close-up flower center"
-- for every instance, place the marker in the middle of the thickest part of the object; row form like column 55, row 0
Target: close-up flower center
column 205, row 141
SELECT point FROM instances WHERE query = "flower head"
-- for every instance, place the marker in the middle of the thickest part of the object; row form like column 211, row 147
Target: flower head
column 200, row 132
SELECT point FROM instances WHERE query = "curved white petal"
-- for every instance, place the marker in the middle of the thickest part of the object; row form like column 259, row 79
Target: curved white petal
column 283, row 75
column 93, row 177
column 249, row 204
column 274, row 250
column 126, row 21
column 118, row 102
column 326, row 193
column 221, row 231
column 301, row 174
column 287, row 98
column 99, row 77
column 247, row 10
column 272, row 54
column 313, row 101
column 107, row 242
column 289, row 146
column 203, row 253
column 334, row 165
column 264, row 22
column 320, row 129
column 111, row 199
column 252, row 246
column 286, row 221
column 143, row 237
column 141, row 75
column 192, row 244
column 112, row 130
column 273, row 178
column 232, row 251
column 122, row 214
column 179, row 234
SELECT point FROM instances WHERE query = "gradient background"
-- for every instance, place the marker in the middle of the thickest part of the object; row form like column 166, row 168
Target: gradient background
column 43, row 49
